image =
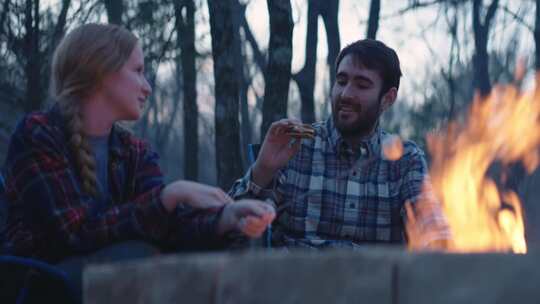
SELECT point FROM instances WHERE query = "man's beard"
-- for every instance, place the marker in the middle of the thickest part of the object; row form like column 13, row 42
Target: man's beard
column 366, row 120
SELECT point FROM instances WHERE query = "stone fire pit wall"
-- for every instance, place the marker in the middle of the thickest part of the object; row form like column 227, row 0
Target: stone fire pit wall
column 374, row 275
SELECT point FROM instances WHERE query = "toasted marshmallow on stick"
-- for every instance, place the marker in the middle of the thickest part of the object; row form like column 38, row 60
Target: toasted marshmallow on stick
column 301, row 131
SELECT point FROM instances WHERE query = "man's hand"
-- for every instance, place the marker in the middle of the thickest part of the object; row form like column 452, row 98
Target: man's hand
column 276, row 151
column 249, row 216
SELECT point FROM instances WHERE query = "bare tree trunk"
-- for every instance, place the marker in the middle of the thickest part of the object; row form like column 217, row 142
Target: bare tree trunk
column 58, row 33
column 278, row 70
column 481, row 35
column 115, row 10
column 229, row 165
column 259, row 59
column 305, row 78
column 35, row 94
column 243, row 85
column 258, row 56
column 453, row 26
column 3, row 15
column 537, row 36
column 329, row 14
column 373, row 21
column 60, row 24
column 185, row 27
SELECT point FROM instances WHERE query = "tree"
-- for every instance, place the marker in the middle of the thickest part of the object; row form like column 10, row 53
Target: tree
column 115, row 10
column 305, row 78
column 329, row 14
column 229, row 165
column 27, row 40
column 278, row 70
column 32, row 50
column 481, row 35
column 537, row 38
column 185, row 27
column 373, row 21
column 243, row 83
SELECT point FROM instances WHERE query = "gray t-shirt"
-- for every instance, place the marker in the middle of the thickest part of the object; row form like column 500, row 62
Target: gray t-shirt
column 100, row 148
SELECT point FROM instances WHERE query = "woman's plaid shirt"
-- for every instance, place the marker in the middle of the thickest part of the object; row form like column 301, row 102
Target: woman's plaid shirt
column 50, row 218
column 331, row 196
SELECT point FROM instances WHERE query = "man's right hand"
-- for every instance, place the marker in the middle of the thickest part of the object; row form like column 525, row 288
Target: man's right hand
column 275, row 152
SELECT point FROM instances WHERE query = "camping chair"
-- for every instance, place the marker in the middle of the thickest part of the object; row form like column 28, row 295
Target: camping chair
column 26, row 280
column 253, row 151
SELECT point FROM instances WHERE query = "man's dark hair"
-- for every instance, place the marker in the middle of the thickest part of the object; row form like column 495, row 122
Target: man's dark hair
column 375, row 55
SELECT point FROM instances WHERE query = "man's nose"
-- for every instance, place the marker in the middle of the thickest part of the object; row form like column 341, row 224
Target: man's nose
column 347, row 92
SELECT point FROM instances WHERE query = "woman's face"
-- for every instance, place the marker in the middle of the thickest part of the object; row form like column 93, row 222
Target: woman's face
column 127, row 89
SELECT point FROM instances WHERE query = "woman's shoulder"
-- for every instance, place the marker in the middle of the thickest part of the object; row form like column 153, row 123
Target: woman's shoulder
column 40, row 123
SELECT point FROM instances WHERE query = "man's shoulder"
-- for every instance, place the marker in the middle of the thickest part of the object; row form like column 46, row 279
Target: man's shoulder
column 412, row 149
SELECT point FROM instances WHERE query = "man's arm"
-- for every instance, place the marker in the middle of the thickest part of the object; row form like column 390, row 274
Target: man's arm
column 247, row 187
column 424, row 218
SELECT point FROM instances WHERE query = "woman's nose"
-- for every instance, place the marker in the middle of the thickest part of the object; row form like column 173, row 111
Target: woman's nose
column 147, row 89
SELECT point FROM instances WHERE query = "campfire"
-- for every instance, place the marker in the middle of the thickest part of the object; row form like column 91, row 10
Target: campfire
column 502, row 128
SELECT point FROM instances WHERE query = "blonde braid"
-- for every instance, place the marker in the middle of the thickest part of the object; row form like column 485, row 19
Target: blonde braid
column 86, row 163
column 80, row 64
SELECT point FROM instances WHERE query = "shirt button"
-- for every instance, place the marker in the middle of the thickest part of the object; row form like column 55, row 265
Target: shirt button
column 352, row 205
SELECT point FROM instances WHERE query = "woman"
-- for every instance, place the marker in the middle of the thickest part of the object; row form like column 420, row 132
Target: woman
column 79, row 186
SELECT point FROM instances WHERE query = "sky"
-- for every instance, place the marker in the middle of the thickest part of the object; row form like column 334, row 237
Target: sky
column 419, row 38
column 419, row 50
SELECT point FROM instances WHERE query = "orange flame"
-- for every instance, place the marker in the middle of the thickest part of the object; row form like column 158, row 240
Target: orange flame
column 503, row 127
column 392, row 147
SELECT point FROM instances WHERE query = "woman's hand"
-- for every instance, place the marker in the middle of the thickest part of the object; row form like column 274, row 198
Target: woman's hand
column 196, row 195
column 249, row 216
column 275, row 152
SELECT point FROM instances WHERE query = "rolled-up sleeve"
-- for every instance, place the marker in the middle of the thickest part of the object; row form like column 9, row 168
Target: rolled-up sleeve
column 422, row 212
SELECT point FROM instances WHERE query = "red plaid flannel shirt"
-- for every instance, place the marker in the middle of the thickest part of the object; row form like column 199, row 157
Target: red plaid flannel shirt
column 50, row 218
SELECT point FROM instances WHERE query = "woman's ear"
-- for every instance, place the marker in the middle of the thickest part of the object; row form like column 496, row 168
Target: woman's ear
column 388, row 99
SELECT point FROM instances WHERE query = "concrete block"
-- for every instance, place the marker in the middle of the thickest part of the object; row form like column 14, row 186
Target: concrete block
column 304, row 277
column 251, row 277
column 168, row 279
column 468, row 278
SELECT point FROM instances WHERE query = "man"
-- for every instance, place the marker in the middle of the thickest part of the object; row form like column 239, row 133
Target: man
column 337, row 188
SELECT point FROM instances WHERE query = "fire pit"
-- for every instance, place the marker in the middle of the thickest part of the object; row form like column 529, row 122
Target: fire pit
column 374, row 275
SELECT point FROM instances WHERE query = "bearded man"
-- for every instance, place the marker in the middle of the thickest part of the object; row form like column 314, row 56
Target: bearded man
column 338, row 187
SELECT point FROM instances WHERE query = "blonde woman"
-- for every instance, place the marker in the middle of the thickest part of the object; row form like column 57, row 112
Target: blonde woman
column 78, row 186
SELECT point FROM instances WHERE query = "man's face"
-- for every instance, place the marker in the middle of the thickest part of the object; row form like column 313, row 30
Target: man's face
column 356, row 103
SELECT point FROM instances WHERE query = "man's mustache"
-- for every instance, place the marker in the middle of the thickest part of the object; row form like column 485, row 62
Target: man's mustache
column 340, row 103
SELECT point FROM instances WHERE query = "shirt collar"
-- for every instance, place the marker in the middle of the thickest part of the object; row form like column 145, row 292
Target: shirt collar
column 119, row 141
column 370, row 145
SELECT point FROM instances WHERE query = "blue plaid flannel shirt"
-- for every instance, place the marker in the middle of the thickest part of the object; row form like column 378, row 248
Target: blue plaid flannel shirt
column 331, row 196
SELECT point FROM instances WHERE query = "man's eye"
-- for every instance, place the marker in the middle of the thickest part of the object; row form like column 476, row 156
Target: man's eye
column 362, row 85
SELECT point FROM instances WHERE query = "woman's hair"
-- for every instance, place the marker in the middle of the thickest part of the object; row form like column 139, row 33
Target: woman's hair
column 80, row 62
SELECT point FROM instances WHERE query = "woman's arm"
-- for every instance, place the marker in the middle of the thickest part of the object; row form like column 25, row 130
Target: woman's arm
column 42, row 181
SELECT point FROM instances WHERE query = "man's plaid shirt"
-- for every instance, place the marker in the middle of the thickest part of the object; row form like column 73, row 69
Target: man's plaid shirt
column 331, row 196
column 50, row 218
